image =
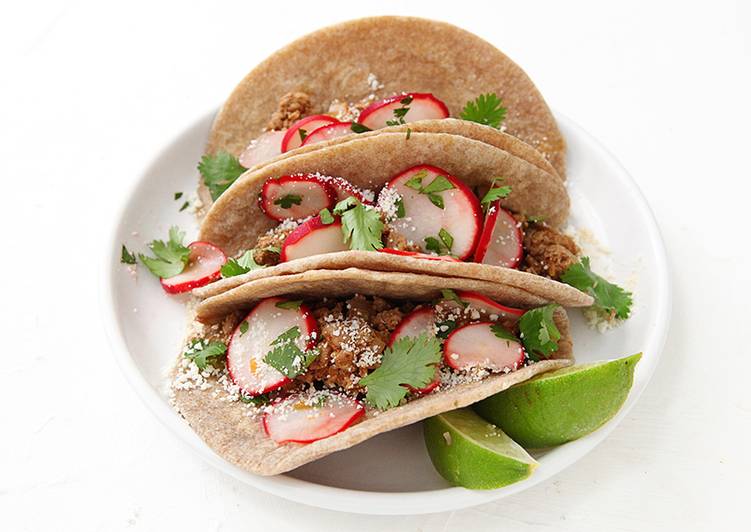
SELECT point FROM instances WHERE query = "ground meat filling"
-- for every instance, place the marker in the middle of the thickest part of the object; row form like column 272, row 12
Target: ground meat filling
column 268, row 247
column 547, row 252
column 292, row 107
column 395, row 240
column 353, row 335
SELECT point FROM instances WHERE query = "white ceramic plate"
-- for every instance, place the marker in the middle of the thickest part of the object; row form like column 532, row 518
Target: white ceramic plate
column 389, row 474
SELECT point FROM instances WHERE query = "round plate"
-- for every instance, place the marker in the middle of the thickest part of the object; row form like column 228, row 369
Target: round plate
column 391, row 473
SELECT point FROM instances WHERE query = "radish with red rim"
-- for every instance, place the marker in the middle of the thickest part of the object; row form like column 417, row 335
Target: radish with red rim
column 249, row 344
column 419, row 321
column 501, row 239
column 482, row 303
column 419, row 105
column 204, row 266
column 267, row 146
column 344, row 189
column 418, row 255
column 295, row 197
column 313, row 237
column 328, row 132
column 448, row 214
column 301, row 420
column 300, row 130
column 477, row 346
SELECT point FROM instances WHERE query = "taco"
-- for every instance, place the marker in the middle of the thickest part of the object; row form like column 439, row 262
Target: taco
column 370, row 73
column 288, row 375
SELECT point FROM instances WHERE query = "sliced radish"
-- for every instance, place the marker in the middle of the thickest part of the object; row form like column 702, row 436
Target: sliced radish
column 344, row 189
column 329, row 132
column 419, row 321
column 265, row 147
column 247, row 349
column 476, row 346
column 295, row 197
column 298, row 419
column 418, row 255
column 482, row 303
column 460, row 215
column 313, row 237
column 300, row 130
column 422, row 106
column 204, row 264
column 501, row 239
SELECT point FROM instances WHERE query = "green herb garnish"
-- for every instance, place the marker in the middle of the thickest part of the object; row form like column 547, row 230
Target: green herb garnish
column 258, row 400
column 184, row 206
column 400, row 212
column 495, row 193
column 326, row 216
column 244, row 326
column 171, row 257
column 126, row 257
column 302, row 134
column 400, row 112
column 200, row 351
column 178, row 195
column 486, row 109
column 219, row 172
column 361, row 226
column 610, row 299
column 538, row 332
column 450, row 295
column 359, row 128
column 503, row 333
column 450, row 325
column 286, row 201
column 289, row 305
column 286, row 357
column 241, row 265
column 410, row 361
column 439, row 184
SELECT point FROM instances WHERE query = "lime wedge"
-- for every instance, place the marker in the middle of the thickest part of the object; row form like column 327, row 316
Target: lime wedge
column 468, row 451
column 562, row 405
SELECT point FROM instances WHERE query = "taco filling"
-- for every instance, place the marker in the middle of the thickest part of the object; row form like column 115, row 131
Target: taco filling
column 311, row 368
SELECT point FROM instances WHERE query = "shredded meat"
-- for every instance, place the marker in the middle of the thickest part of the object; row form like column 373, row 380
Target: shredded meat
column 272, row 239
column 395, row 240
column 292, row 107
column 352, row 338
column 547, row 251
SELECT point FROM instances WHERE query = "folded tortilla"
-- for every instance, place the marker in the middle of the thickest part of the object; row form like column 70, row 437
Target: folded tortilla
column 404, row 54
column 241, row 440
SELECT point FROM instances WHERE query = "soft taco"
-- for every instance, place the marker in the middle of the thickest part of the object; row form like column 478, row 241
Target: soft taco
column 292, row 372
column 370, row 73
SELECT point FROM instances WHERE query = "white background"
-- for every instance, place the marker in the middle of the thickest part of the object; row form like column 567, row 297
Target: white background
column 89, row 92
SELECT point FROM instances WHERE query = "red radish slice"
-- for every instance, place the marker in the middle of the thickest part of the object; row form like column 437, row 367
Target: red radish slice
column 460, row 215
column 313, row 237
column 295, row 197
column 423, row 106
column 475, row 345
column 265, row 147
column 482, row 303
column 344, row 189
column 501, row 239
column 300, row 130
column 297, row 419
column 418, row 255
column 419, row 321
column 329, row 132
column 204, row 264
column 247, row 350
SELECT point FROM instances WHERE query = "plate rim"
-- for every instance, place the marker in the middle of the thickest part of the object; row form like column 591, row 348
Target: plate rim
column 352, row 500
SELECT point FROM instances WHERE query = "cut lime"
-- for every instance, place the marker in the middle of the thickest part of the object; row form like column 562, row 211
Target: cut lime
column 468, row 451
column 562, row 405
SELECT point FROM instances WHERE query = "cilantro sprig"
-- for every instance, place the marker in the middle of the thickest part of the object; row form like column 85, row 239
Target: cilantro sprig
column 442, row 244
column 240, row 265
column 400, row 112
column 219, row 171
column 200, row 351
column 410, row 361
column 286, row 201
column 439, row 184
column 171, row 257
column 362, row 226
column 539, row 333
column 486, row 109
column 286, row 357
column 611, row 300
column 126, row 257
column 495, row 193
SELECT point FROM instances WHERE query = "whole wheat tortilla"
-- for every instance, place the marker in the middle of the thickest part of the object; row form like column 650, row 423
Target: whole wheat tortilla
column 241, row 440
column 405, row 54
column 339, row 283
column 235, row 221
column 547, row 289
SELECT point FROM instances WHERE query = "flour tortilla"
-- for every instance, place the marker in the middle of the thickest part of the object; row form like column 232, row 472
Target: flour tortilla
column 240, row 439
column 405, row 54
column 546, row 289
column 235, row 221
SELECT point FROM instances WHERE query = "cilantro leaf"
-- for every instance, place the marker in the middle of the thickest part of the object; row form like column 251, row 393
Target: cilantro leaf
column 503, row 333
column 257, row 400
column 286, row 357
column 450, row 295
column 241, row 265
column 446, row 238
column 486, row 109
column 439, row 184
column 126, row 257
column 219, row 172
column 409, row 361
column 244, row 326
column 286, row 201
column 538, row 332
column 400, row 211
column 178, row 195
column 436, row 200
column 400, row 112
column 302, row 134
column 445, row 328
column 359, row 128
column 442, row 244
column 200, row 351
column 171, row 257
column 432, row 244
column 289, row 305
column 495, row 193
column 184, row 206
column 610, row 299
column 362, row 226
column 326, row 216
column 415, row 183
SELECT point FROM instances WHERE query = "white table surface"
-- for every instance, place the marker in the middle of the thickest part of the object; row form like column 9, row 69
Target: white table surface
column 89, row 92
